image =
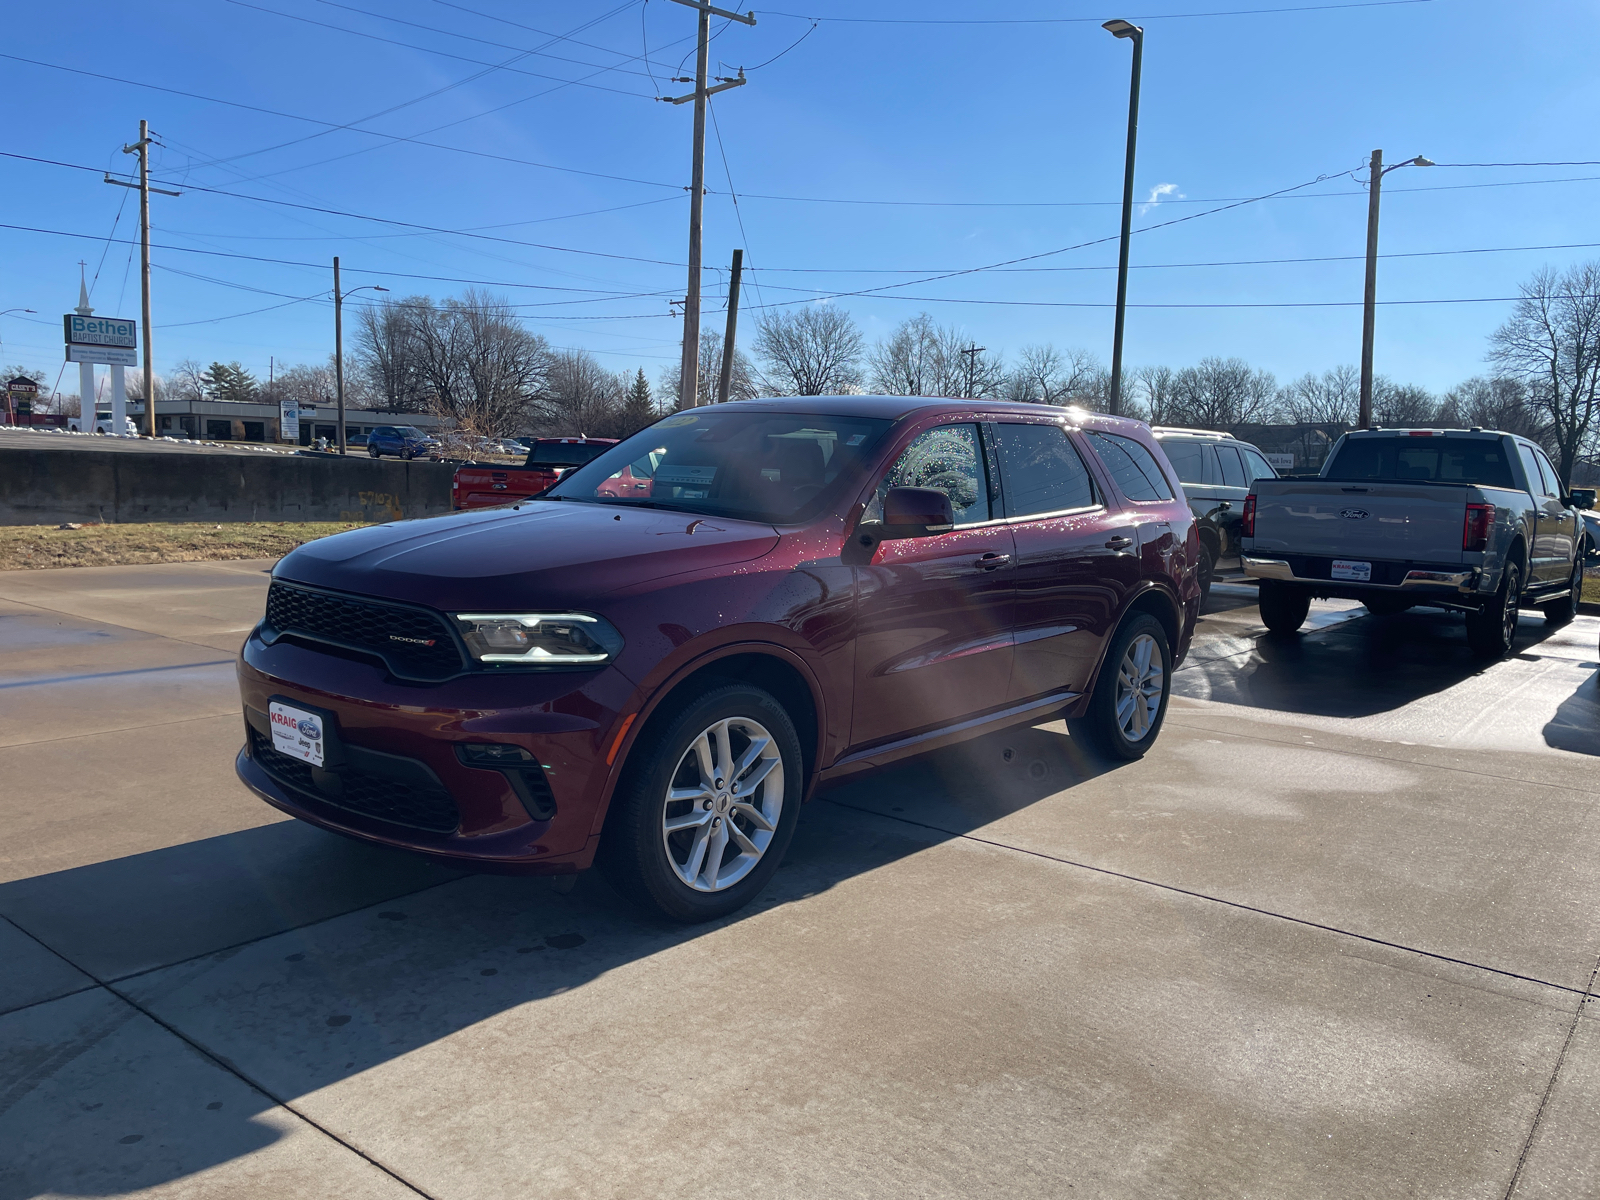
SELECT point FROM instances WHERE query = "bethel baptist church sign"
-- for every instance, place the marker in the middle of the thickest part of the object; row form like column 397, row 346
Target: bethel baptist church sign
column 110, row 340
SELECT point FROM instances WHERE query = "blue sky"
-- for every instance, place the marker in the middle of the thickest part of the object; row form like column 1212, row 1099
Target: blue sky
column 976, row 143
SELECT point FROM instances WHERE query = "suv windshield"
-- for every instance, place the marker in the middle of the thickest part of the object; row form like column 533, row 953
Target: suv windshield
column 1431, row 459
column 760, row 466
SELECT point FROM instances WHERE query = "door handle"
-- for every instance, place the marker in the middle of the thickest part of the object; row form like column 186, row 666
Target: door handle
column 1118, row 542
column 992, row 561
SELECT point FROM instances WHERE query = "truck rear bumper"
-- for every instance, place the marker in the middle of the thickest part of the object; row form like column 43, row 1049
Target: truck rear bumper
column 1418, row 580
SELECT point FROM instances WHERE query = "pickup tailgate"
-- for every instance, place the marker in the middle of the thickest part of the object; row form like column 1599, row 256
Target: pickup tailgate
column 1401, row 522
column 484, row 486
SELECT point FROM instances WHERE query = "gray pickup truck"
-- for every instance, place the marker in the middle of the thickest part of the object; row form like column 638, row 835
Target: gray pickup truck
column 1471, row 520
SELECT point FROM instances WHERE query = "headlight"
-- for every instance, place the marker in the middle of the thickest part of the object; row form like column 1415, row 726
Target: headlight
column 539, row 639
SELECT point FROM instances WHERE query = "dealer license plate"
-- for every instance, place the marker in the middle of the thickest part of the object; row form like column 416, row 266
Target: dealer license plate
column 296, row 732
column 1355, row 572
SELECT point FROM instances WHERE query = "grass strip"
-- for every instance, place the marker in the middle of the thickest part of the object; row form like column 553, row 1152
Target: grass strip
column 24, row 547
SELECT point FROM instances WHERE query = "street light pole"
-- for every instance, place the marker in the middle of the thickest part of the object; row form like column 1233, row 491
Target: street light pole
column 338, row 339
column 1125, row 29
column 1369, row 311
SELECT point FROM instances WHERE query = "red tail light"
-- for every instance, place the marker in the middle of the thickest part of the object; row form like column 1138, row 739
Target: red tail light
column 1249, row 522
column 1477, row 527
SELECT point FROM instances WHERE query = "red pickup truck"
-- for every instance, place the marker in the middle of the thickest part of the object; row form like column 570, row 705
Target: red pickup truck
column 480, row 485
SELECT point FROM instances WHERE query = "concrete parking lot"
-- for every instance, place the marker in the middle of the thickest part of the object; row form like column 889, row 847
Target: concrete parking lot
column 1335, row 936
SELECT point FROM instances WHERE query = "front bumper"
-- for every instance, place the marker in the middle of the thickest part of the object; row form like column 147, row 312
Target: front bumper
column 394, row 774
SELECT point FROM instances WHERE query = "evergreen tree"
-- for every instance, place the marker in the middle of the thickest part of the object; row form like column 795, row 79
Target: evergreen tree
column 230, row 381
column 639, row 406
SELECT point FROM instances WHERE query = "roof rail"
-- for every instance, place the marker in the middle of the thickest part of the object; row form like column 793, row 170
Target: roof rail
column 1186, row 429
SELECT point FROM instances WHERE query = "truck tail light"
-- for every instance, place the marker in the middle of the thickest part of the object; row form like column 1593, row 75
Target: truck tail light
column 1248, row 524
column 1477, row 527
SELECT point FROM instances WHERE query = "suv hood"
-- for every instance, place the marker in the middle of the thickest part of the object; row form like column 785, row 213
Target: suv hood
column 566, row 554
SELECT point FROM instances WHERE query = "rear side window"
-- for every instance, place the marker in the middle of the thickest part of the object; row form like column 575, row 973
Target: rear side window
column 1255, row 466
column 1424, row 460
column 565, row 454
column 1233, row 474
column 1188, row 459
column 1040, row 472
column 1133, row 467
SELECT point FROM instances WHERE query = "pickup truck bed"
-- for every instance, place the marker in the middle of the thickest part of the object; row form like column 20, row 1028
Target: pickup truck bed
column 486, row 485
column 1469, row 520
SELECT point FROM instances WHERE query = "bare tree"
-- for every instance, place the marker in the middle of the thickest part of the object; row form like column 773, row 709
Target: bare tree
column 502, row 366
column 908, row 361
column 188, row 380
column 1552, row 343
column 1046, row 375
column 815, row 351
column 1334, row 397
column 1407, row 404
column 1220, row 392
column 741, row 386
column 1152, row 392
column 387, row 355
column 581, row 397
column 1494, row 403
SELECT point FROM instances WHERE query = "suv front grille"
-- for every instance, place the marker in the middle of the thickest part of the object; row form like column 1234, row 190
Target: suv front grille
column 432, row 810
column 413, row 643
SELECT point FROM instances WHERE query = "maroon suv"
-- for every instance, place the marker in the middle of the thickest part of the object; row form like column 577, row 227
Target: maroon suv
column 810, row 587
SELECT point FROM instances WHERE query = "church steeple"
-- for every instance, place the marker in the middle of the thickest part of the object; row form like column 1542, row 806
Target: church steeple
column 84, row 307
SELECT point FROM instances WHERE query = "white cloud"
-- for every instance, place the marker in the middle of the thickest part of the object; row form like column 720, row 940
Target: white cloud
column 1158, row 193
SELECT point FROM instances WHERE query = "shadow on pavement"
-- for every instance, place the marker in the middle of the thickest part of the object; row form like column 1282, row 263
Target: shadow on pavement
column 1575, row 724
column 106, row 1101
column 1353, row 669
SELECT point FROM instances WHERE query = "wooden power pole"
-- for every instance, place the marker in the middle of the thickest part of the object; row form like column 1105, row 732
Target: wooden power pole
column 142, row 149
column 726, row 381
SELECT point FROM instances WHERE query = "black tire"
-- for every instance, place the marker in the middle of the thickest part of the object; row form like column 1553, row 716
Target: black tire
column 1102, row 725
column 1284, row 607
column 407, row 453
column 1386, row 606
column 374, row 451
column 638, row 855
column 1559, row 612
column 1206, row 569
column 1492, row 629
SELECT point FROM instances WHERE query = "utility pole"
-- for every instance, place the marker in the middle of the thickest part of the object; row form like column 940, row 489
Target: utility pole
column 1369, row 311
column 1134, row 33
column 972, row 352
column 338, row 347
column 689, row 374
column 142, row 149
column 726, row 382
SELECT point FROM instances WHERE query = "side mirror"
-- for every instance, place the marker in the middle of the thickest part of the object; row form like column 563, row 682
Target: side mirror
column 916, row 512
column 1581, row 498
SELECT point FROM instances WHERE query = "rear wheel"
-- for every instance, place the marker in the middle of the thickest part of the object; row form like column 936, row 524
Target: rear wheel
column 707, row 805
column 1559, row 612
column 1283, row 607
column 1491, row 630
column 1206, row 568
column 1130, row 697
column 374, row 451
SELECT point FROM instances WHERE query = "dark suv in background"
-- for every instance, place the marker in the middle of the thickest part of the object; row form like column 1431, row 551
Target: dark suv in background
column 403, row 441
column 1216, row 470
column 808, row 588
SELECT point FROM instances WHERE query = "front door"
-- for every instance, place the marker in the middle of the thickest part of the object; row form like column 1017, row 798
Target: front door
column 1547, row 560
column 1076, row 559
column 933, row 640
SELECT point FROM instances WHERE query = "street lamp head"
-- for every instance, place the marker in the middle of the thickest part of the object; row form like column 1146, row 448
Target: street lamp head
column 1420, row 161
column 1122, row 29
column 379, row 288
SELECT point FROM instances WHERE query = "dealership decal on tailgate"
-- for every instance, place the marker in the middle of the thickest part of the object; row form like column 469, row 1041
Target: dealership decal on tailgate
column 296, row 733
column 1355, row 572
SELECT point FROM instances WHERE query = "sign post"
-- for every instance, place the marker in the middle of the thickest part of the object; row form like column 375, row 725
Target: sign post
column 289, row 420
column 110, row 340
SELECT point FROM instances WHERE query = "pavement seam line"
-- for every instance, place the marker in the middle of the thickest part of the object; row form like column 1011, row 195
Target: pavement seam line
column 224, row 1064
column 1549, row 1089
column 73, row 737
column 1284, row 741
column 1265, row 912
column 49, row 679
column 56, row 612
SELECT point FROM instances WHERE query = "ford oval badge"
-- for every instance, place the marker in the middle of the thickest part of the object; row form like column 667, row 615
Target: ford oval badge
column 310, row 729
column 1354, row 514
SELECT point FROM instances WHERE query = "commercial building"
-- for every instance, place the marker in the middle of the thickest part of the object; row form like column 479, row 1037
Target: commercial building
column 248, row 421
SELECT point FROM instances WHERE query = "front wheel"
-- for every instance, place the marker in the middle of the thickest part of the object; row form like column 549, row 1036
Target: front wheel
column 1559, row 612
column 1284, row 608
column 707, row 805
column 1130, row 697
column 1491, row 630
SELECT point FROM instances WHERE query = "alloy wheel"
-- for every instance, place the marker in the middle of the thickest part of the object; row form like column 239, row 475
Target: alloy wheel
column 1513, row 599
column 1140, row 678
column 723, row 804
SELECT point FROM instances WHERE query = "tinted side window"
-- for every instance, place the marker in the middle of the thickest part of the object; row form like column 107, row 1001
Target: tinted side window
column 1187, row 458
column 1552, row 481
column 1040, row 472
column 1530, row 464
column 1255, row 466
column 1232, row 467
column 1132, row 466
column 948, row 459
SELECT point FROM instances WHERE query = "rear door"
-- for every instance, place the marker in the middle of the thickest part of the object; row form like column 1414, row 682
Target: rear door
column 1068, row 591
column 934, row 614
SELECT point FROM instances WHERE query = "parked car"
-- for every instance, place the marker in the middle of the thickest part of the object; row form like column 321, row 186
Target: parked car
column 1216, row 470
column 811, row 588
column 402, row 441
column 1470, row 520
column 103, row 424
column 478, row 485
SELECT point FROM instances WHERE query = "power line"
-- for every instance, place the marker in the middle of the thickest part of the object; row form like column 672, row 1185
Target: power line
column 1241, row 12
column 333, row 125
column 563, row 37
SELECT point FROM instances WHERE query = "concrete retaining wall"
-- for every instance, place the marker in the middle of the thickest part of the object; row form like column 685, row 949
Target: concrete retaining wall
column 48, row 485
